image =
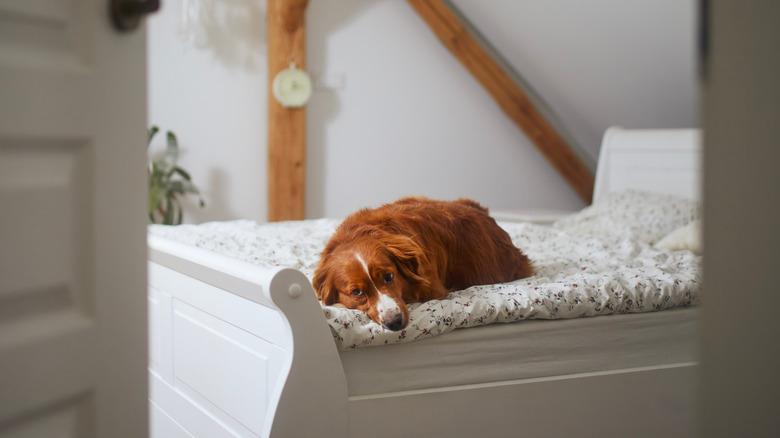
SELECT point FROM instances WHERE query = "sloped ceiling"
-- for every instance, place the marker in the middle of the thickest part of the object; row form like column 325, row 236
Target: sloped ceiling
column 572, row 54
column 510, row 91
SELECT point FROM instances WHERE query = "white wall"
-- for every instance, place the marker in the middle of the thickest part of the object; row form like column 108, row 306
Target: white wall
column 207, row 83
column 395, row 114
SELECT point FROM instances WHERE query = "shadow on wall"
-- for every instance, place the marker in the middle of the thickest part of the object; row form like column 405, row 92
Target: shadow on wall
column 234, row 31
column 216, row 208
column 325, row 103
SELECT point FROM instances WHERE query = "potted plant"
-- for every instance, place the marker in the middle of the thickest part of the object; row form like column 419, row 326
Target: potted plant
column 168, row 181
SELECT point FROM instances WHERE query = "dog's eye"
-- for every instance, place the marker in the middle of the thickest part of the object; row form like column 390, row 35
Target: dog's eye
column 357, row 292
column 389, row 278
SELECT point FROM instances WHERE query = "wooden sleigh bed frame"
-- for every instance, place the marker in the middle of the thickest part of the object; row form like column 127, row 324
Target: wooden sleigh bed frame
column 239, row 350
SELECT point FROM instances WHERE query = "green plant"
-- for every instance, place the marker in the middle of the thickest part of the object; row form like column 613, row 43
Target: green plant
column 167, row 182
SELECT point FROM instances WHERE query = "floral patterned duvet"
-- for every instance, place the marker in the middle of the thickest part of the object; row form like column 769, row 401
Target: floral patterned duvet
column 599, row 261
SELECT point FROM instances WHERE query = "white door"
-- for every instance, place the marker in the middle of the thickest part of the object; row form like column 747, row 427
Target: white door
column 72, row 223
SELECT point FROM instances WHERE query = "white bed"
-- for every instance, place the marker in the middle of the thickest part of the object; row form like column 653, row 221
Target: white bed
column 240, row 348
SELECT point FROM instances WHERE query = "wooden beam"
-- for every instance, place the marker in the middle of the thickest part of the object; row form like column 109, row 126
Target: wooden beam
column 292, row 13
column 508, row 94
column 286, row 36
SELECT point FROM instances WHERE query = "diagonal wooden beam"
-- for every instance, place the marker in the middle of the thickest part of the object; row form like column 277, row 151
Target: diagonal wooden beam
column 506, row 92
column 286, row 36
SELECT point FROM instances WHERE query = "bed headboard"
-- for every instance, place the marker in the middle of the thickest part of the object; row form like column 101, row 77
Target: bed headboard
column 662, row 160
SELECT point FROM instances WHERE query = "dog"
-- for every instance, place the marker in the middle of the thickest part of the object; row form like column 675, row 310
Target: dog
column 415, row 249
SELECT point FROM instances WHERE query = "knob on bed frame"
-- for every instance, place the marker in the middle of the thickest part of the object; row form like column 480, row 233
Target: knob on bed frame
column 295, row 290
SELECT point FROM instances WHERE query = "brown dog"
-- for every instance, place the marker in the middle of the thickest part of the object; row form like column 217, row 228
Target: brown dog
column 415, row 249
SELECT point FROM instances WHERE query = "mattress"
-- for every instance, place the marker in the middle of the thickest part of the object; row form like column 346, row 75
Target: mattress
column 599, row 261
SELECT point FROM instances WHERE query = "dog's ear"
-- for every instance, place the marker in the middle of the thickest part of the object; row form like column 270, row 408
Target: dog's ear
column 323, row 285
column 408, row 255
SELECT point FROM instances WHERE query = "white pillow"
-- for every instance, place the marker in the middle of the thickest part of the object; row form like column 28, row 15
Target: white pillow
column 686, row 237
column 643, row 215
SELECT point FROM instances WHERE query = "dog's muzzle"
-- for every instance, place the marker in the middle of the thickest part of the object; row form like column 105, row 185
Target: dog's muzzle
column 394, row 322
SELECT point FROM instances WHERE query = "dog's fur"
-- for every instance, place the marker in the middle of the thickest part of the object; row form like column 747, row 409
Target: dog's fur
column 415, row 249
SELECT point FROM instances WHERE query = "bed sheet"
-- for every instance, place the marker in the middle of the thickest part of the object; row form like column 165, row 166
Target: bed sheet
column 578, row 275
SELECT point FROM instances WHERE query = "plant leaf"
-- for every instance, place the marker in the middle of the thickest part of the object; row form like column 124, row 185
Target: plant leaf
column 172, row 149
column 156, row 196
column 182, row 187
column 168, row 217
column 178, row 210
column 164, row 186
column 184, row 174
column 150, row 134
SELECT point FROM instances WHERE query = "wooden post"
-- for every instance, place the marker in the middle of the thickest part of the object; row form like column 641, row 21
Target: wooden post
column 286, row 36
column 509, row 96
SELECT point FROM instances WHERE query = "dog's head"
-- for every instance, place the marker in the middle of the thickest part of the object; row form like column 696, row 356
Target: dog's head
column 373, row 273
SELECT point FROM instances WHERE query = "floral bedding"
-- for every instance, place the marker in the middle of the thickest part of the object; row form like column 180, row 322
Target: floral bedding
column 599, row 261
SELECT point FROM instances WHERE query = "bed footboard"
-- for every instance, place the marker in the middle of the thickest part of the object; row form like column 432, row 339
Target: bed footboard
column 253, row 355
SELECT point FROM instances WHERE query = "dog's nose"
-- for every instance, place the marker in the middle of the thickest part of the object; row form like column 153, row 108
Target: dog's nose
column 395, row 322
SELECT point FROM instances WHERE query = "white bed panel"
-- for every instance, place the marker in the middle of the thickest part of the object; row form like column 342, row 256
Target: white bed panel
column 228, row 307
column 158, row 349
column 162, row 425
column 635, row 403
column 188, row 414
column 231, row 368
column 667, row 161
column 525, row 350
column 207, row 348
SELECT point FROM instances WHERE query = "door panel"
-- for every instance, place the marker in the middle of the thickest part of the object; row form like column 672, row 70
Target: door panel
column 72, row 225
column 50, row 33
